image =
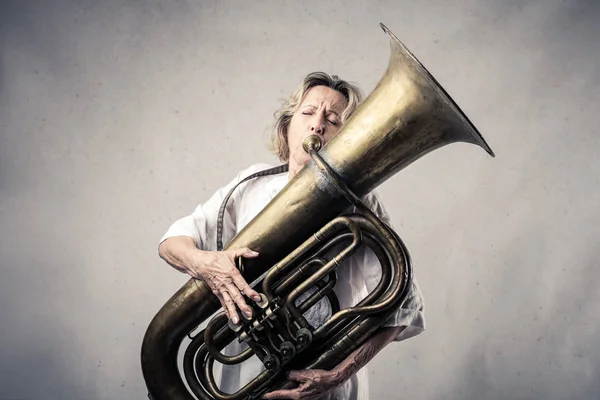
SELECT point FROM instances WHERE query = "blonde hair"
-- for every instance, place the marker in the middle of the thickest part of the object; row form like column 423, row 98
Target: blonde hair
column 279, row 138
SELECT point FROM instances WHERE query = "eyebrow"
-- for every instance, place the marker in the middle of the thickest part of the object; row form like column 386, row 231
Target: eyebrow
column 331, row 110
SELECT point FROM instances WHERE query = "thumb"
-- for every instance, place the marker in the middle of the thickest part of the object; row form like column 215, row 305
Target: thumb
column 298, row 376
column 245, row 252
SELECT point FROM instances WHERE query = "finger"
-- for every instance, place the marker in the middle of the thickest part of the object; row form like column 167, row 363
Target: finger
column 230, row 306
column 243, row 286
column 222, row 301
column 283, row 394
column 237, row 297
column 298, row 376
column 245, row 252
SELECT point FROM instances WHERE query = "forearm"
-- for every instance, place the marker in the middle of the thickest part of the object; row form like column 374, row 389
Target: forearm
column 179, row 252
column 365, row 353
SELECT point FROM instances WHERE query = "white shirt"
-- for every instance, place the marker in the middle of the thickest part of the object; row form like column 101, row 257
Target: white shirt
column 357, row 277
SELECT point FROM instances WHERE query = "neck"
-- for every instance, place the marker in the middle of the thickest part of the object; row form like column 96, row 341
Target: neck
column 293, row 170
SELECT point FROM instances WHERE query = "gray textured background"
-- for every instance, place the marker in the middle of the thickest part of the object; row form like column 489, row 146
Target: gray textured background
column 118, row 117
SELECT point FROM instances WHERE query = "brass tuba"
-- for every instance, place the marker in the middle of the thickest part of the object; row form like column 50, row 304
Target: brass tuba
column 406, row 116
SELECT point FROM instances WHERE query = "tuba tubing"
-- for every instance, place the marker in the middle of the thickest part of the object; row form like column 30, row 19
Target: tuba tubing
column 406, row 116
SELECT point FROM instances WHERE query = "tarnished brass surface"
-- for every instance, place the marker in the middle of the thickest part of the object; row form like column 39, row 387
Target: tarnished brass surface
column 406, row 116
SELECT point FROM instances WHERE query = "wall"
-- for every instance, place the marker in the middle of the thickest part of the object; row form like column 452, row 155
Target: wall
column 116, row 119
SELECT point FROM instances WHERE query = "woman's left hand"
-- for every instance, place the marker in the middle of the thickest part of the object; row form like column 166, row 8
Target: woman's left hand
column 314, row 383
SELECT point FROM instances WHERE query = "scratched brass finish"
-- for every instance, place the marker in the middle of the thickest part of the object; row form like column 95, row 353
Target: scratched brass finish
column 406, row 116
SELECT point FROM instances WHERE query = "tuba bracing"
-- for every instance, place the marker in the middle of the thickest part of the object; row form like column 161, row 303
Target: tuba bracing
column 406, row 116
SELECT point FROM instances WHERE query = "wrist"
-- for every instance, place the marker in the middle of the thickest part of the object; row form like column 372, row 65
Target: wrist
column 195, row 259
column 340, row 374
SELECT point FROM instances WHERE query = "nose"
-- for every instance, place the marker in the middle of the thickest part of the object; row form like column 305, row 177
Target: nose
column 317, row 127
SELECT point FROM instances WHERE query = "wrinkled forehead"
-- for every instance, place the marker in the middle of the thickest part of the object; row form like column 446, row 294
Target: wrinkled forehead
column 323, row 95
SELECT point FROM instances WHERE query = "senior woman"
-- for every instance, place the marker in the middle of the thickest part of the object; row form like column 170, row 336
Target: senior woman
column 320, row 105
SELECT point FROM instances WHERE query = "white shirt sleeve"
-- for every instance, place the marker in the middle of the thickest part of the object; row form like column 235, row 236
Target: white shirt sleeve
column 201, row 225
column 410, row 312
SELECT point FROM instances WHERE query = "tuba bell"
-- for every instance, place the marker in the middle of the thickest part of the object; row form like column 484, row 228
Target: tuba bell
column 406, row 116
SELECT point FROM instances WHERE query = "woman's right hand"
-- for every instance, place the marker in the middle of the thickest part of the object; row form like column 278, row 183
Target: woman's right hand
column 217, row 269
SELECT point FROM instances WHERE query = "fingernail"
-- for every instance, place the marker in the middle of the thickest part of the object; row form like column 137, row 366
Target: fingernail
column 256, row 298
column 248, row 314
column 235, row 320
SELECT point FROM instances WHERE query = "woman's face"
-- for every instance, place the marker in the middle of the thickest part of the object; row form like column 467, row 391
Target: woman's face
column 319, row 114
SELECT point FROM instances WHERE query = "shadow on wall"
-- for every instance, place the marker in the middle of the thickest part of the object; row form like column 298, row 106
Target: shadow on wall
column 489, row 375
column 538, row 347
column 44, row 301
column 4, row 165
column 42, row 355
column 39, row 372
